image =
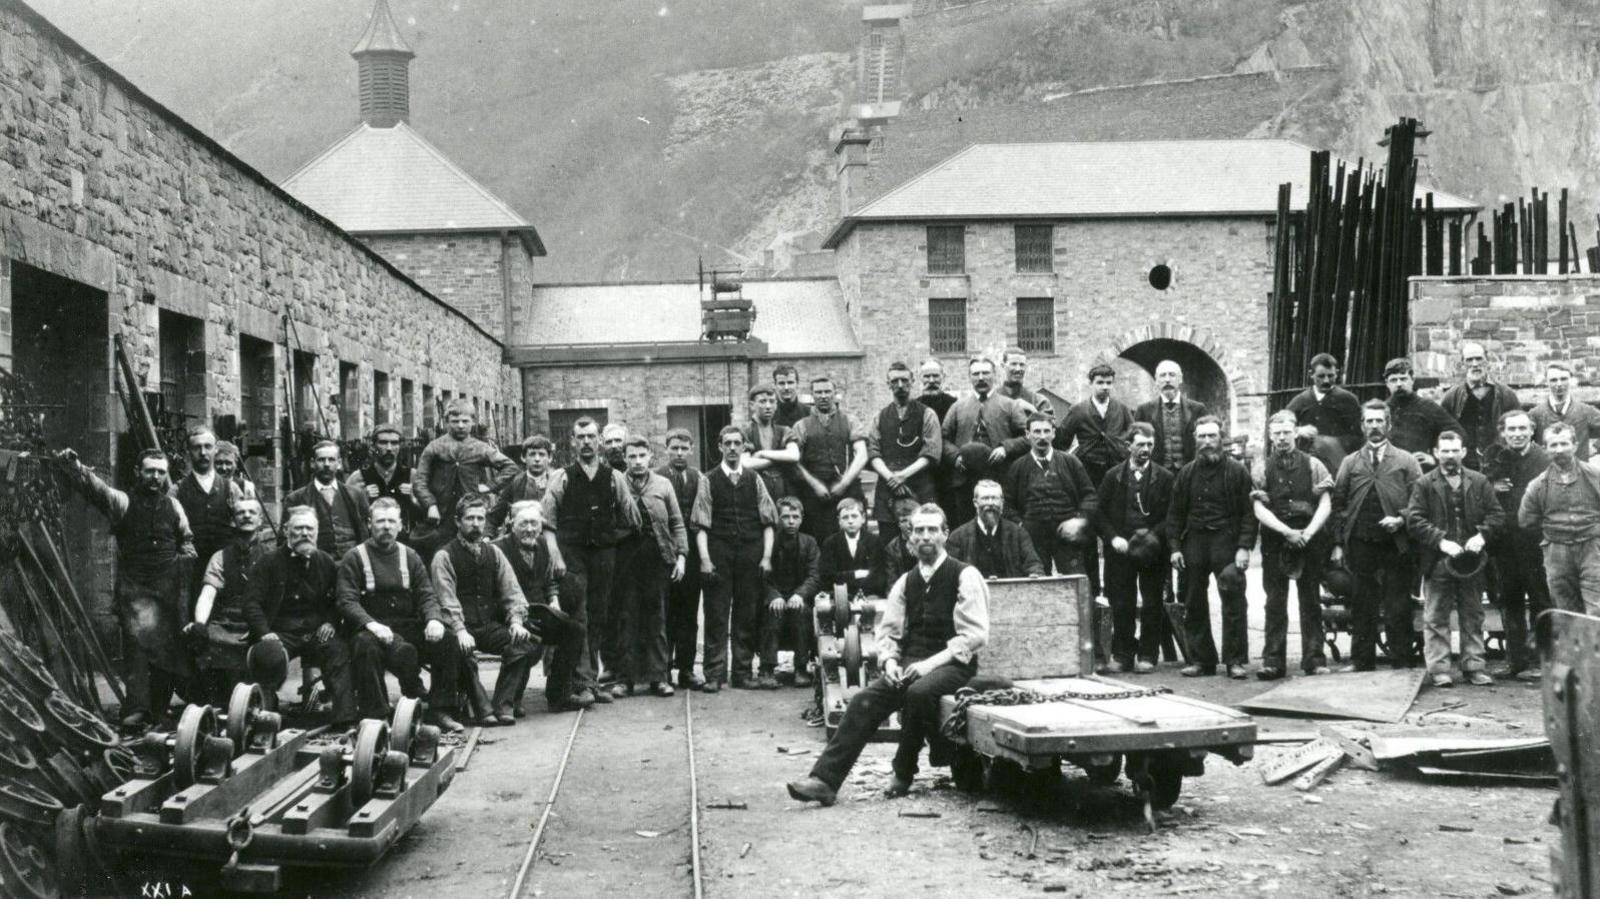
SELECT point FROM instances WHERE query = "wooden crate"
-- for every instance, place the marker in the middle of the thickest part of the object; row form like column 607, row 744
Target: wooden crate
column 1039, row 627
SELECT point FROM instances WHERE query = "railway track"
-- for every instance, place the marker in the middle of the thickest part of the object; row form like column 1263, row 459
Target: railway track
column 648, row 804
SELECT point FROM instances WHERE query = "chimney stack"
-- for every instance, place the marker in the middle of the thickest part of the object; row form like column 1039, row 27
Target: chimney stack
column 383, row 63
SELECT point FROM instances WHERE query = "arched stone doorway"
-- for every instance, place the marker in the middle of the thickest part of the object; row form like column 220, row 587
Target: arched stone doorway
column 1203, row 379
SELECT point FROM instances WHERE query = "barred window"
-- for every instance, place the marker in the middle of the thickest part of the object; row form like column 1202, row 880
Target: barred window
column 947, row 326
column 947, row 249
column 1035, row 248
column 1036, row 324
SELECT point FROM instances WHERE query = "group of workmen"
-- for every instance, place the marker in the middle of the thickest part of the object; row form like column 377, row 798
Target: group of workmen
column 607, row 566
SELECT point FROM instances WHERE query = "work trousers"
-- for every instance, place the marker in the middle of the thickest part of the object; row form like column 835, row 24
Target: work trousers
column 736, row 592
column 1205, row 554
column 149, row 687
column 404, row 655
column 794, row 629
column 639, row 614
column 1523, row 595
column 1067, row 558
column 1136, row 601
column 683, row 614
column 332, row 661
column 1383, row 576
column 1464, row 596
column 586, row 596
column 1308, row 596
column 516, row 662
column 1573, row 572
column 918, row 705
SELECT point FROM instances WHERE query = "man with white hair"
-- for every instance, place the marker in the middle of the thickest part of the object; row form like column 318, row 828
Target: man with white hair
column 219, row 629
column 1478, row 403
column 552, row 629
column 1173, row 416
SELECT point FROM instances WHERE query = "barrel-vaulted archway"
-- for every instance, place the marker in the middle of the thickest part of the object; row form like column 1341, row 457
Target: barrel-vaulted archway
column 1137, row 353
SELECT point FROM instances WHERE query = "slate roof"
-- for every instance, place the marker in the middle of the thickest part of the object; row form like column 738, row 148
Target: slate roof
column 1106, row 179
column 795, row 316
column 1211, row 107
column 389, row 180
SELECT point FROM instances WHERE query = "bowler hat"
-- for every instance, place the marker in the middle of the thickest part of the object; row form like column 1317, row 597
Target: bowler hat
column 1144, row 548
column 268, row 663
column 1338, row 579
column 1075, row 530
column 974, row 456
column 1465, row 564
column 1230, row 580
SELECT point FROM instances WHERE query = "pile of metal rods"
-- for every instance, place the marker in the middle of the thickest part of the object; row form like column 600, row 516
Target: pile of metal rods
column 1517, row 241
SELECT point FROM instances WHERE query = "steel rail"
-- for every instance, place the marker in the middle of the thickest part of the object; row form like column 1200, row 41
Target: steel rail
column 544, row 816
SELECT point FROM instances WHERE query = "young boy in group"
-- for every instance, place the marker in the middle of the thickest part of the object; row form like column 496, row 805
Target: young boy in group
column 791, row 592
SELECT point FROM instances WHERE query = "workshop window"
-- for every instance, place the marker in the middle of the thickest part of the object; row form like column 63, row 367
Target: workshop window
column 308, row 405
column 408, row 407
column 1036, row 324
column 947, row 325
column 429, row 411
column 183, row 370
column 349, row 401
column 1035, row 248
column 257, row 375
column 947, row 249
column 380, row 399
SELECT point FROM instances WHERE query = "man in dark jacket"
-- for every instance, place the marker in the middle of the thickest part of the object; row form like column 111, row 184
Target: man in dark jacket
column 551, row 629
column 1292, row 503
column 683, row 595
column 387, row 476
column 386, row 597
column 1453, row 513
column 1212, row 523
column 219, row 619
column 1370, row 495
column 1332, row 410
column 342, row 510
column 853, row 556
column 1134, row 498
column 790, row 593
column 1173, row 415
column 527, row 484
column 1477, row 403
column 1050, row 492
column 992, row 419
column 1415, row 423
column 290, row 602
column 904, row 448
column 207, row 501
column 898, row 557
column 991, row 542
column 1096, row 429
column 1519, row 562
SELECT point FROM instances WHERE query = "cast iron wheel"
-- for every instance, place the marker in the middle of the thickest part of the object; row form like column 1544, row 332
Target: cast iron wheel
column 403, row 725
column 372, row 744
column 966, row 770
column 243, row 705
column 196, row 723
column 1003, row 777
column 1166, row 782
column 852, row 656
column 841, row 609
column 1105, row 775
column 71, row 861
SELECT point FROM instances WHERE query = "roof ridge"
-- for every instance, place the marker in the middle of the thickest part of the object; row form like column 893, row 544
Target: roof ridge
column 909, row 182
column 311, row 163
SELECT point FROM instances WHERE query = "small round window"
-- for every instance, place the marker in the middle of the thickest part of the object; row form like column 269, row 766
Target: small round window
column 1161, row 277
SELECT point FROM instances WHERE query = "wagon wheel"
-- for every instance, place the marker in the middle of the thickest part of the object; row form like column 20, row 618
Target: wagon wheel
column 852, row 656
column 403, row 726
column 1105, row 775
column 244, row 704
column 841, row 608
column 71, row 863
column 372, row 745
column 197, row 723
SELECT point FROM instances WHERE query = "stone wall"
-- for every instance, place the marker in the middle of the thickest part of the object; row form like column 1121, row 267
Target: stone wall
column 469, row 271
column 1523, row 321
column 1104, row 303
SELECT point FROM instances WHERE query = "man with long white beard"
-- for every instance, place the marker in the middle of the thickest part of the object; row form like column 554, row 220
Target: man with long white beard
column 154, row 550
column 1453, row 515
column 290, row 608
column 1213, row 527
column 1564, row 505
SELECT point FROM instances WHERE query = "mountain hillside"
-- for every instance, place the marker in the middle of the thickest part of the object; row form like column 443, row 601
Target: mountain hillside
column 638, row 136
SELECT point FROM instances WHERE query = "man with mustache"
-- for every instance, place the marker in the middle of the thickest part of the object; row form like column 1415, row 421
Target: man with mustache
column 612, row 438
column 832, row 453
column 1563, row 505
column 1370, row 495
column 386, row 596
column 790, row 408
column 904, row 448
column 528, row 484
column 229, row 463
column 934, row 622
column 934, row 397
column 207, row 500
column 1477, row 403
column 993, row 420
column 1518, row 558
column 1173, row 416
column 767, row 447
column 1453, row 512
column 485, row 610
column 1134, row 498
column 550, row 628
column 219, row 624
column 991, row 542
column 1292, row 503
column 1561, row 407
column 1333, row 411
column 154, row 550
column 1052, row 495
column 1414, row 422
column 1015, row 362
column 291, row 610
column 342, row 510
column 387, row 476
column 898, row 556
column 1213, row 526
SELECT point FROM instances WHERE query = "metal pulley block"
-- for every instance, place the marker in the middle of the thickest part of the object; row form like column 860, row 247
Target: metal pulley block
column 25, row 804
column 250, row 726
column 24, row 669
column 15, row 759
column 852, row 659
column 841, row 608
column 24, row 867
column 194, row 753
column 19, row 716
column 376, row 770
column 870, row 610
column 74, row 727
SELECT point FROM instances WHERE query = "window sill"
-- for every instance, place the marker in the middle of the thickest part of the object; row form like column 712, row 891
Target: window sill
column 938, row 275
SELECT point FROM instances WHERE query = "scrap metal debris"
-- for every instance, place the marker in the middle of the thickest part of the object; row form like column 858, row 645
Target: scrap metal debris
column 1382, row 696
